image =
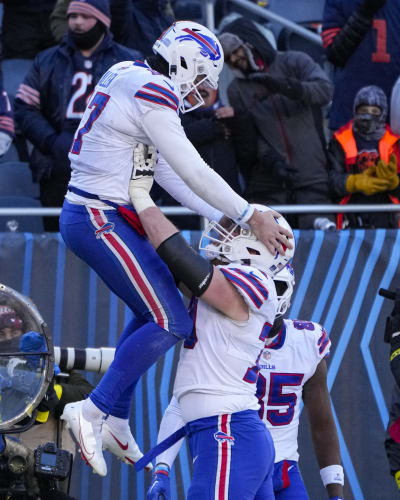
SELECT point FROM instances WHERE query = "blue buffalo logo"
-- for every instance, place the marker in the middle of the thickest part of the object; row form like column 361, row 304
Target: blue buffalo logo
column 223, row 437
column 209, row 48
column 104, row 229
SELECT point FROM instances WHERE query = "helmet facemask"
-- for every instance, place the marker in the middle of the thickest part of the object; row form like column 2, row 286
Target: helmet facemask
column 237, row 244
column 284, row 284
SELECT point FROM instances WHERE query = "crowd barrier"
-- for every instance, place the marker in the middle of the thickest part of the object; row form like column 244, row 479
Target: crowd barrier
column 338, row 275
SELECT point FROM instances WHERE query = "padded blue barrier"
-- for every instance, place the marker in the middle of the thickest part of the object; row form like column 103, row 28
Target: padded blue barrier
column 338, row 275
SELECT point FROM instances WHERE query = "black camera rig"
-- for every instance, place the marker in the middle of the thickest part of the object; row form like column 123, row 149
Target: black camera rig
column 27, row 474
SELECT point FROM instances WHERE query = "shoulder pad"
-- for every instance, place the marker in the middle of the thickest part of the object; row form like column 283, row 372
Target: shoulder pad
column 251, row 283
column 315, row 334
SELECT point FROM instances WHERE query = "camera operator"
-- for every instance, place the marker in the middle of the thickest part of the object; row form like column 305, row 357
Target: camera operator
column 392, row 336
column 35, row 457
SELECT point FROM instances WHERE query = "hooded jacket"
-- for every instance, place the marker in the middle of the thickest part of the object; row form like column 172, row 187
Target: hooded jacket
column 269, row 126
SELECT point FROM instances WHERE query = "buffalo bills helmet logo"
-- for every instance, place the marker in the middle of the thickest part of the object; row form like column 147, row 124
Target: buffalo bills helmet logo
column 208, row 47
column 223, row 437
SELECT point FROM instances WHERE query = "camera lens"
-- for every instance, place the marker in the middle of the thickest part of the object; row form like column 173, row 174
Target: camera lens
column 17, row 464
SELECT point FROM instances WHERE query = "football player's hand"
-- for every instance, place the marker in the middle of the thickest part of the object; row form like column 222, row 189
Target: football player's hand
column 160, row 485
column 275, row 237
column 142, row 177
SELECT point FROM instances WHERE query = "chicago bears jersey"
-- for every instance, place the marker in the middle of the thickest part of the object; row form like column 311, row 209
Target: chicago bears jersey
column 285, row 366
column 217, row 370
column 102, row 152
column 376, row 60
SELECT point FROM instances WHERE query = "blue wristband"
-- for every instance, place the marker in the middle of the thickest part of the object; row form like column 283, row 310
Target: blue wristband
column 336, row 498
column 162, row 469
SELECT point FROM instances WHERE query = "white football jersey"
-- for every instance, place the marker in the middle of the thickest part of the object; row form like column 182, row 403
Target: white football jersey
column 133, row 103
column 217, row 369
column 285, row 366
column 111, row 127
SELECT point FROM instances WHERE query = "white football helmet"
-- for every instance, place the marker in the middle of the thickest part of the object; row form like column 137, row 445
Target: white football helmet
column 238, row 244
column 284, row 283
column 194, row 55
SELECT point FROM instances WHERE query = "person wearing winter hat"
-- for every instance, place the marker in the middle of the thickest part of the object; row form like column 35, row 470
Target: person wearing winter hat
column 363, row 161
column 88, row 21
column 53, row 96
column 275, row 95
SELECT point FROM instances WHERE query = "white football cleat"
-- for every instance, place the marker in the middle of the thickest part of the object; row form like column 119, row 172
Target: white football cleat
column 88, row 436
column 122, row 444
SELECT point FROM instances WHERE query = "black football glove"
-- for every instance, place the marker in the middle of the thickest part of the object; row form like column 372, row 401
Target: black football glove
column 372, row 6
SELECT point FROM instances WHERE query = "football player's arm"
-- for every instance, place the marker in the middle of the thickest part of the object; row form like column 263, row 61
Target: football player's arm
column 166, row 133
column 171, row 421
column 187, row 266
column 323, row 429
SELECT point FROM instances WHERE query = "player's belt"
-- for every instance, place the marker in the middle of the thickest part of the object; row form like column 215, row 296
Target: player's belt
column 128, row 214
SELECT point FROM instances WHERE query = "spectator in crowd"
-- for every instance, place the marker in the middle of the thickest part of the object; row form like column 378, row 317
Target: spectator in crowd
column 53, row 96
column 363, row 161
column 277, row 142
column 361, row 39
column 147, row 19
column 7, row 128
column 25, row 28
column 59, row 19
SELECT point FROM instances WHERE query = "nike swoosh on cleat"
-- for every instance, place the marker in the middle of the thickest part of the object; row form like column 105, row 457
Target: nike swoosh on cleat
column 122, row 446
column 88, row 456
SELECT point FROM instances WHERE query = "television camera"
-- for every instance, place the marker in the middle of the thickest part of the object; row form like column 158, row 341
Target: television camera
column 26, row 371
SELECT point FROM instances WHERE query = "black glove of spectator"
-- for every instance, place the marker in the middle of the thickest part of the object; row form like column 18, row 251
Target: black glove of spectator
column 392, row 334
column 60, row 150
column 283, row 172
column 372, row 6
column 289, row 87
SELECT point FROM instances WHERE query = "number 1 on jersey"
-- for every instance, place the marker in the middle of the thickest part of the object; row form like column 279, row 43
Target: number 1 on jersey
column 98, row 103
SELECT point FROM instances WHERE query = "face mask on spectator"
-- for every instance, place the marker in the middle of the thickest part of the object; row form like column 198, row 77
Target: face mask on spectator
column 88, row 39
column 370, row 110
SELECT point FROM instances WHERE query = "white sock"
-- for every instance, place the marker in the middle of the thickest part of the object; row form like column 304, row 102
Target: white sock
column 92, row 413
column 118, row 424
